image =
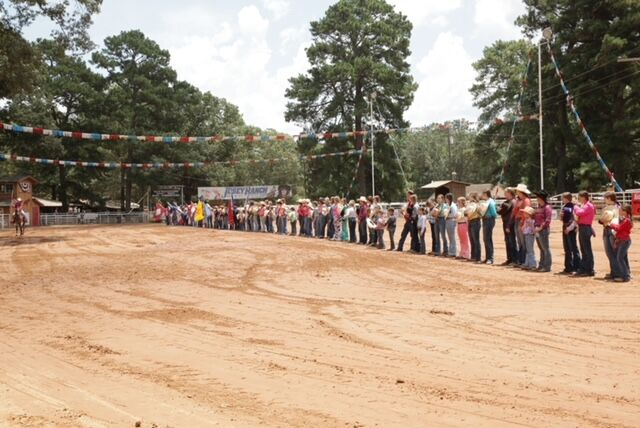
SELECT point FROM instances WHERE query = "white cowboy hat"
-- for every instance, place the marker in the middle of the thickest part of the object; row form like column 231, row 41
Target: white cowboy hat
column 362, row 199
column 522, row 188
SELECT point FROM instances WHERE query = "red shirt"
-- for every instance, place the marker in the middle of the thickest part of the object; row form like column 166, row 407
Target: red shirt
column 623, row 230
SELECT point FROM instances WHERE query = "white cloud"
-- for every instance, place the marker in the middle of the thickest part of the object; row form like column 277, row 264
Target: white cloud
column 421, row 12
column 495, row 18
column 291, row 37
column 251, row 21
column 237, row 63
column 444, row 75
column 279, row 8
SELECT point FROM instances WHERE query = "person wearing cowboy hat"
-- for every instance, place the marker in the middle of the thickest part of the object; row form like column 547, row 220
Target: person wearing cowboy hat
column 523, row 201
column 542, row 219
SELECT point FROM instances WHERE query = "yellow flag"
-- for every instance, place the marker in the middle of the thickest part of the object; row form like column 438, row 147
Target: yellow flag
column 199, row 212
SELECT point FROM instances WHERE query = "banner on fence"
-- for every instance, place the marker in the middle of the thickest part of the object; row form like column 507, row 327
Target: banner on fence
column 244, row 192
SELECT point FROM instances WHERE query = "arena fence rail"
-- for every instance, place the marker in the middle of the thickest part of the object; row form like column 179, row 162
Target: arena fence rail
column 84, row 218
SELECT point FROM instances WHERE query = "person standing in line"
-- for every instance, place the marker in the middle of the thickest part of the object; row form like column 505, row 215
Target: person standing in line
column 473, row 217
column 353, row 221
column 543, row 215
column 488, row 224
column 363, row 215
column 337, row 219
column 523, row 201
column 381, row 224
column 422, row 229
column 407, row 228
column 529, row 233
column 391, row 227
column 569, row 236
column 415, row 240
column 451, row 224
column 463, row 230
column 431, row 220
column 441, row 222
column 329, row 205
column 622, row 243
column 585, row 212
column 293, row 220
column 345, row 220
column 506, row 212
column 609, row 216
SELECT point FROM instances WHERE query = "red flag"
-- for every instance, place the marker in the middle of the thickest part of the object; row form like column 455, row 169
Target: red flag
column 232, row 217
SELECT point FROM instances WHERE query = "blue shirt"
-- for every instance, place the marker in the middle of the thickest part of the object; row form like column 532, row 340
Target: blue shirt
column 491, row 209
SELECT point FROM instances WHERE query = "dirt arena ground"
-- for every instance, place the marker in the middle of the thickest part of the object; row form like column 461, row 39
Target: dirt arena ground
column 178, row 327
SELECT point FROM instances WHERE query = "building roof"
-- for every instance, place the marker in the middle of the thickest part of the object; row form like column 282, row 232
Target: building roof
column 16, row 178
column 436, row 184
column 47, row 203
column 479, row 188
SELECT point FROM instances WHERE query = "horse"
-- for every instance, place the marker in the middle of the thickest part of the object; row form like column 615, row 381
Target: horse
column 19, row 220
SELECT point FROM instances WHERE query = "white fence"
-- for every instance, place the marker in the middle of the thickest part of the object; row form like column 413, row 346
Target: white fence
column 83, row 218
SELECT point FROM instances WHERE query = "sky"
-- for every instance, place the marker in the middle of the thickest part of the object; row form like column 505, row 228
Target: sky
column 246, row 50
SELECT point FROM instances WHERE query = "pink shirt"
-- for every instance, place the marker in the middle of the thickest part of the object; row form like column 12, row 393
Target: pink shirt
column 585, row 214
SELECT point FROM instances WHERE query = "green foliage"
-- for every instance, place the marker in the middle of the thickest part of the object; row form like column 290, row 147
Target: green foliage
column 588, row 39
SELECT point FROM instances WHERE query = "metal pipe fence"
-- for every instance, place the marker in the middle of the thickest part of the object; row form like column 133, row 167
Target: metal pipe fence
column 83, row 218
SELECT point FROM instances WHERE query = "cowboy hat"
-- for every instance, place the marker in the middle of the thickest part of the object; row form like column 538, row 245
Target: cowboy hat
column 542, row 194
column 529, row 210
column 362, row 199
column 523, row 189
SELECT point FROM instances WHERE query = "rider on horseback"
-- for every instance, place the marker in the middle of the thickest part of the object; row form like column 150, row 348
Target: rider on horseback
column 19, row 216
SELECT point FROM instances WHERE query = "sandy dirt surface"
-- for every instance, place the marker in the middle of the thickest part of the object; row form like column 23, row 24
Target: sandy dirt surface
column 178, row 327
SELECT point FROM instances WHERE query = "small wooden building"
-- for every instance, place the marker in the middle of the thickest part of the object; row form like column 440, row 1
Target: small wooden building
column 435, row 188
column 12, row 188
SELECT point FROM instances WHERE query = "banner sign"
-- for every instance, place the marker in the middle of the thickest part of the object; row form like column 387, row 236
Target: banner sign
column 244, row 192
column 168, row 191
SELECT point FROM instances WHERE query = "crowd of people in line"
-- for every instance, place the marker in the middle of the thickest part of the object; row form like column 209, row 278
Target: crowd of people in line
column 458, row 227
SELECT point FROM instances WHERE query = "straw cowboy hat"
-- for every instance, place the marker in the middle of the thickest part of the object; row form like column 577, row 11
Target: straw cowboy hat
column 522, row 188
column 362, row 199
column 529, row 210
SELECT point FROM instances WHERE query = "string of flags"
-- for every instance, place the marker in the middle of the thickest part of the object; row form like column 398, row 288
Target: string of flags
column 581, row 124
column 523, row 85
column 166, row 165
column 95, row 136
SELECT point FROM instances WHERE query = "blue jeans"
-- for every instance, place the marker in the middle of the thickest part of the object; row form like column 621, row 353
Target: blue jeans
column 571, row 253
column 521, row 252
column 585, row 233
column 474, row 238
column 545, row 251
column 607, row 240
column 622, row 259
column 320, row 225
column 488, row 223
column 530, row 254
column 452, row 225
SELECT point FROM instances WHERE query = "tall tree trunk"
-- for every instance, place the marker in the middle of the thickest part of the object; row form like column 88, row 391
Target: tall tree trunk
column 122, row 186
column 62, row 191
